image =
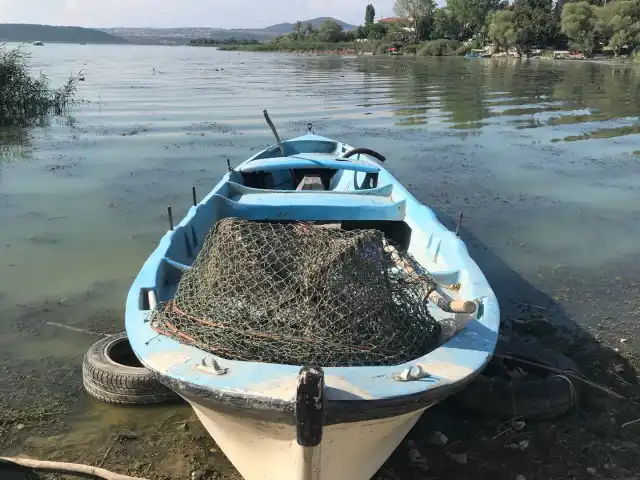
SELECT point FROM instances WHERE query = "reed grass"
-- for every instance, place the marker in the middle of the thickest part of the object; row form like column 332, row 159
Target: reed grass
column 26, row 99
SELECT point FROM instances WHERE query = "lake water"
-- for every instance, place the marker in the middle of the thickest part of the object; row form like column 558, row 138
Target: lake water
column 542, row 158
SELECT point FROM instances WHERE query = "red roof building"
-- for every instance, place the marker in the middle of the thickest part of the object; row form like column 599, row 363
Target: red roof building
column 390, row 20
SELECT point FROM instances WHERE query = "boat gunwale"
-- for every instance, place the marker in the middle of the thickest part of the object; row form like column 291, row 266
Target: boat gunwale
column 401, row 397
column 335, row 411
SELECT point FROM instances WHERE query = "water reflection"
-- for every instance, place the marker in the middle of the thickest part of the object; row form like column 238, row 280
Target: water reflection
column 462, row 94
column 15, row 144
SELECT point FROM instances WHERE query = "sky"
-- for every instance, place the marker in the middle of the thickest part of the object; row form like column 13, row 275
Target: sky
column 184, row 13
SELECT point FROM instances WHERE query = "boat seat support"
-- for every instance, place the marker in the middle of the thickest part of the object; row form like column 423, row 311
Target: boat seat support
column 311, row 182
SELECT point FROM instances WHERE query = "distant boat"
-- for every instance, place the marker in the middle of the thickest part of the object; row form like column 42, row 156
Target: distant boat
column 38, row 43
column 83, row 43
column 478, row 53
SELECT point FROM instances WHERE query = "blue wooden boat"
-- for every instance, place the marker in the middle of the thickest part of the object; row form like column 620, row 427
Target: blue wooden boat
column 267, row 418
column 478, row 53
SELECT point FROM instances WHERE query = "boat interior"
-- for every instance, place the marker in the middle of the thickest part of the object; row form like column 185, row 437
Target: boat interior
column 312, row 183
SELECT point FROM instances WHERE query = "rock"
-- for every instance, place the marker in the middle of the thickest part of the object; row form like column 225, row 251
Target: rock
column 414, row 455
column 19, row 426
column 438, row 438
column 523, row 445
column 519, row 425
column 592, row 471
column 460, row 458
column 127, row 435
column 417, row 459
column 624, row 340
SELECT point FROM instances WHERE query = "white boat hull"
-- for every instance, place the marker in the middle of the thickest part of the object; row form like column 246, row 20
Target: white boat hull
column 269, row 451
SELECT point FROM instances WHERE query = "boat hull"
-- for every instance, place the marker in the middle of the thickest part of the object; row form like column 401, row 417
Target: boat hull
column 293, row 422
column 262, row 450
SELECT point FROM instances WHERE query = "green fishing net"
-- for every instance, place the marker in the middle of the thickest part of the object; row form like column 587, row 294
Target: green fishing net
column 301, row 294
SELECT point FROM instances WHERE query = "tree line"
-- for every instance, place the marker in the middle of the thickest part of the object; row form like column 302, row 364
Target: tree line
column 520, row 24
column 208, row 42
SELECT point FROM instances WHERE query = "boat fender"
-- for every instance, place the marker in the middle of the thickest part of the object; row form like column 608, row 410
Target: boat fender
column 309, row 409
column 112, row 373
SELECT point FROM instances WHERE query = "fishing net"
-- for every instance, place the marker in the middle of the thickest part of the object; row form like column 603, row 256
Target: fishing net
column 297, row 293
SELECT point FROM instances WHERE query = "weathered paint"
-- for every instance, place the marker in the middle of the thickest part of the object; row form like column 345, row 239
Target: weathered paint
column 269, row 451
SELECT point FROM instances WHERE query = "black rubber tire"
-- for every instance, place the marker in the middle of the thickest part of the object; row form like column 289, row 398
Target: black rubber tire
column 538, row 398
column 111, row 373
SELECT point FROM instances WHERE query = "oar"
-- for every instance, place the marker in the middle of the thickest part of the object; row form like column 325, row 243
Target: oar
column 275, row 132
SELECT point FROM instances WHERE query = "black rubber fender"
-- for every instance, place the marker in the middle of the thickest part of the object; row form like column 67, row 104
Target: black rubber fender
column 541, row 395
column 112, row 373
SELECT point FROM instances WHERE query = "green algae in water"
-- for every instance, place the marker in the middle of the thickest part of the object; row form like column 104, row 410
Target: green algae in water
column 602, row 133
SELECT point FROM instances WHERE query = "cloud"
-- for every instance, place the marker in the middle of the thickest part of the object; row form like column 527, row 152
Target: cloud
column 176, row 13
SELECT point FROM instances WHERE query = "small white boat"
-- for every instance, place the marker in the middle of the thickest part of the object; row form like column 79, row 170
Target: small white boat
column 297, row 422
column 38, row 43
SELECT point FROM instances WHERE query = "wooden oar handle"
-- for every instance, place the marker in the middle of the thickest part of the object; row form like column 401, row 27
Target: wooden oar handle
column 452, row 306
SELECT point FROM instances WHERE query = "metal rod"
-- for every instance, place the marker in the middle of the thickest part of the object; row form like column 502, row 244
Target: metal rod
column 458, row 225
column 193, row 192
column 275, row 132
column 229, row 165
column 170, row 218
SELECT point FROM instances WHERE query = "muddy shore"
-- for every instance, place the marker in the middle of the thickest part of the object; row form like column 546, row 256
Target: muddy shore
column 45, row 413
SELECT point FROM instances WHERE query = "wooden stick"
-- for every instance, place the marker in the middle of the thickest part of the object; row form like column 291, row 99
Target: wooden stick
column 568, row 374
column 452, row 306
column 106, row 454
column 631, row 423
column 441, row 301
column 77, row 469
column 275, row 132
column 532, row 306
column 76, row 329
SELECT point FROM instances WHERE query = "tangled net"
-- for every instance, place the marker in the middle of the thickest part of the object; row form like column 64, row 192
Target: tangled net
column 298, row 293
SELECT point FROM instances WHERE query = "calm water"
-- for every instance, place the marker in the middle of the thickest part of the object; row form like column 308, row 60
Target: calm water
column 542, row 157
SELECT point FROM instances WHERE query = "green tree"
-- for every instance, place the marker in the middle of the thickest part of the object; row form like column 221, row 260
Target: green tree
column 471, row 15
column 297, row 29
column 503, row 29
column 535, row 23
column 417, row 12
column 308, row 30
column 444, row 24
column 619, row 24
column 370, row 15
column 377, row 31
column 330, row 31
column 579, row 25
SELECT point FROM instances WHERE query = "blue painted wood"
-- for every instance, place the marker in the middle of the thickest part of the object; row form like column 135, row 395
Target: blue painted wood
column 288, row 163
column 435, row 247
column 236, row 189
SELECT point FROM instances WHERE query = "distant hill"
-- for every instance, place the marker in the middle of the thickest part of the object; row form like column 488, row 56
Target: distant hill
column 22, row 32
column 316, row 22
column 181, row 36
